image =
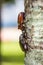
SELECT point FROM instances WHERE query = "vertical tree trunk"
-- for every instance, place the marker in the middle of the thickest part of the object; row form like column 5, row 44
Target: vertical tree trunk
column 34, row 29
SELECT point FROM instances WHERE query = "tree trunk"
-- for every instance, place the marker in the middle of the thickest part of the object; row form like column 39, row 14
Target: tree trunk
column 34, row 30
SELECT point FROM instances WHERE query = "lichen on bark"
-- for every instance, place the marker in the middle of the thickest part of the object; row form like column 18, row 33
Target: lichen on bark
column 34, row 29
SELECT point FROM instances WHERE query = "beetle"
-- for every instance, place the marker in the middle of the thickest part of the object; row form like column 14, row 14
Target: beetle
column 21, row 17
column 23, row 44
column 22, row 40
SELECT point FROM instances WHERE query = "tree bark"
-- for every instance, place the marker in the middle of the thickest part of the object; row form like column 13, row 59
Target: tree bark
column 34, row 30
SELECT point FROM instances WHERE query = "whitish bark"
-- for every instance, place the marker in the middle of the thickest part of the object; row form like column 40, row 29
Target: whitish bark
column 34, row 29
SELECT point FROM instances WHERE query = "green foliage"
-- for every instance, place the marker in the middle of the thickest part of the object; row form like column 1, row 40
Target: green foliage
column 11, row 53
column 11, row 63
column 11, row 1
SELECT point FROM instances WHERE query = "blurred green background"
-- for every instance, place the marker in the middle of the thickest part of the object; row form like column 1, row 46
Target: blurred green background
column 11, row 53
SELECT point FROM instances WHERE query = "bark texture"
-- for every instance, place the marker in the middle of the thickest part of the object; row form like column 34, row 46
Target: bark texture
column 34, row 30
